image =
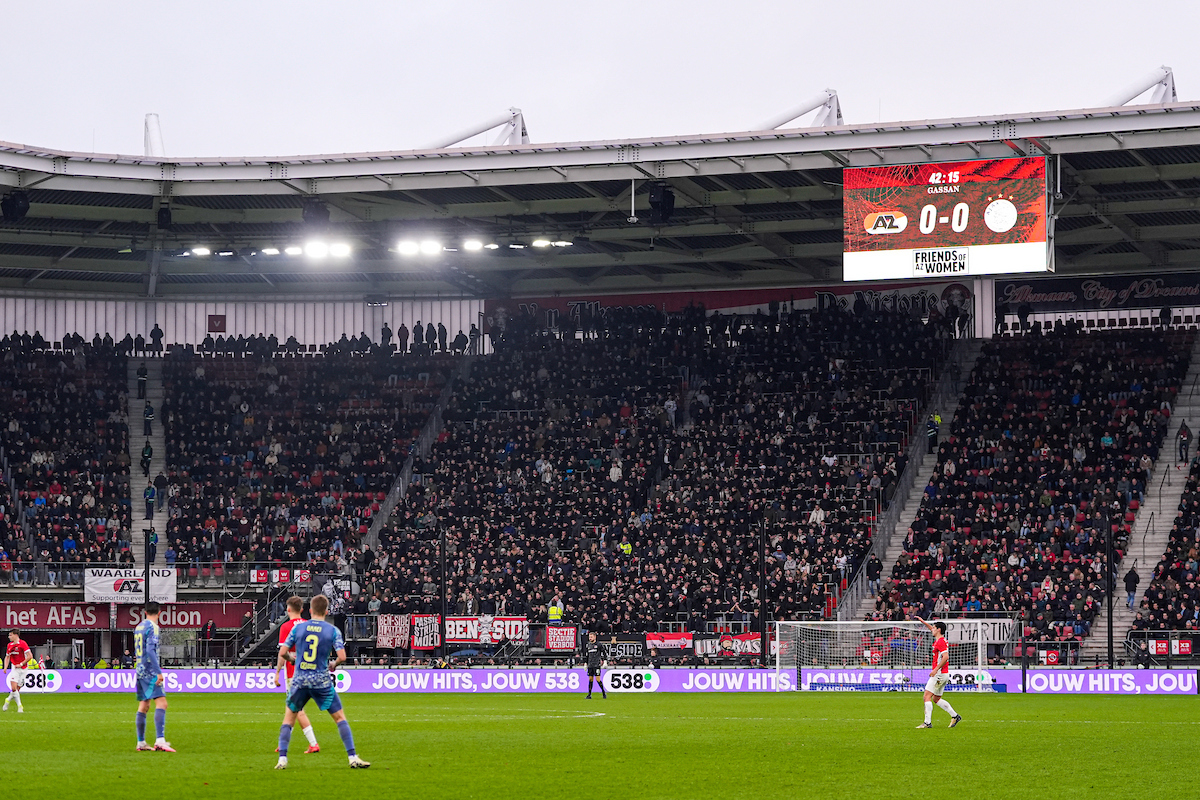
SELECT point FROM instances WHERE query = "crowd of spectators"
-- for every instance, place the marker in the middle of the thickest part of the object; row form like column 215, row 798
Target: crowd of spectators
column 1053, row 441
column 274, row 455
column 619, row 472
column 1172, row 599
column 65, row 439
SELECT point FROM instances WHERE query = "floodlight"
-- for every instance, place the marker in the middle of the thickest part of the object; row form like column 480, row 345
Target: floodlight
column 339, row 249
column 270, row 251
column 408, row 248
column 201, row 251
column 541, row 242
column 316, row 249
column 472, row 245
column 293, row 250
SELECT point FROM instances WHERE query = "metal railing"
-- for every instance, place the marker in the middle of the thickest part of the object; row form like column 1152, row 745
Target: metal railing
column 1175, row 655
column 422, row 446
column 205, row 575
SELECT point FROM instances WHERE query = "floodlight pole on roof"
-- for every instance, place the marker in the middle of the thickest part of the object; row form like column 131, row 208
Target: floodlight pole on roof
column 1162, row 81
column 512, row 131
column 154, row 142
column 829, row 115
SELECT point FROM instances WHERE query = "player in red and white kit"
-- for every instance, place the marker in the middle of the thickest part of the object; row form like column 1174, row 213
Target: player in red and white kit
column 939, row 675
column 294, row 607
column 17, row 656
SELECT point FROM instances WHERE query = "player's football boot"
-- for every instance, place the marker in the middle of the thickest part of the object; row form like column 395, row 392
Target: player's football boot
column 164, row 747
column 313, row 748
column 358, row 763
column 142, row 746
column 6, row 702
column 20, row 709
column 955, row 720
column 281, row 764
column 924, row 725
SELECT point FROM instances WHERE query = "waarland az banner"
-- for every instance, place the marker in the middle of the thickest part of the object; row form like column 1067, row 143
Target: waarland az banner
column 484, row 681
column 116, row 585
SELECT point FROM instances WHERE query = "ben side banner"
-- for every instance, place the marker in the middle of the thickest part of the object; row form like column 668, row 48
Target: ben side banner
column 115, row 585
column 485, row 681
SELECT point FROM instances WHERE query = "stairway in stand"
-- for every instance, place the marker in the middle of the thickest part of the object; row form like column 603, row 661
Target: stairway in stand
column 1152, row 525
column 895, row 543
column 137, row 440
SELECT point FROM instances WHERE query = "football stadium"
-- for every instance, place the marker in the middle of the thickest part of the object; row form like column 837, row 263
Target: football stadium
column 825, row 457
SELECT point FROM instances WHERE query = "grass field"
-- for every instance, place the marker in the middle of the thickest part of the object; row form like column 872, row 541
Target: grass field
column 843, row 745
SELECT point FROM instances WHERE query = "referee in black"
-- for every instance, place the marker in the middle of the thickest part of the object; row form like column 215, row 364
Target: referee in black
column 594, row 657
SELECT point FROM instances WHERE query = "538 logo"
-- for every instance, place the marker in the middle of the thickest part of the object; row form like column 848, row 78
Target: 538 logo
column 631, row 680
column 885, row 222
column 42, row 680
column 341, row 681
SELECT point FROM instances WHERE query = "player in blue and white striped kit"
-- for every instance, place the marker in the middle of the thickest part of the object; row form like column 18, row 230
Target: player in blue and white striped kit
column 150, row 681
column 314, row 641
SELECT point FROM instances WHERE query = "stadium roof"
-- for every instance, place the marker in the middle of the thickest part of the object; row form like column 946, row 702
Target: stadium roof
column 758, row 208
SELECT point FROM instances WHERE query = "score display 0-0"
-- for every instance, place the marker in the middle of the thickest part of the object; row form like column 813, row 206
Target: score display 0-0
column 983, row 217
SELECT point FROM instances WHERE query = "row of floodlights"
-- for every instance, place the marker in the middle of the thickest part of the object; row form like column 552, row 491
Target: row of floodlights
column 314, row 249
column 431, row 247
column 406, row 247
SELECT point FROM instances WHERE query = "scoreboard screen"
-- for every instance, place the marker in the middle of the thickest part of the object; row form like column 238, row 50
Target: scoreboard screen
column 945, row 220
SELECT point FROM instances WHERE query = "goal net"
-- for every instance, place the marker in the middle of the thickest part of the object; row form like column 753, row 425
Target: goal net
column 876, row 656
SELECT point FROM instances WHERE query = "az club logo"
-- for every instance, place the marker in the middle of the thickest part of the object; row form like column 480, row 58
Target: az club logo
column 885, row 222
column 127, row 585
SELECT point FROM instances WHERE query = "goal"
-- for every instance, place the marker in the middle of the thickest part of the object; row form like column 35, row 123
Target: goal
column 876, row 656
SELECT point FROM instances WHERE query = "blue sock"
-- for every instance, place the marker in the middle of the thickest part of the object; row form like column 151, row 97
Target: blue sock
column 141, row 726
column 160, row 722
column 347, row 737
column 285, row 738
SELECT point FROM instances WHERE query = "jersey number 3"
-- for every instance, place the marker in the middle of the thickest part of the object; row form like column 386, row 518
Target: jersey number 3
column 310, row 655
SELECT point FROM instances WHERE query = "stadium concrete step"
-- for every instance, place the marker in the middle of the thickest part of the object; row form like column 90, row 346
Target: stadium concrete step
column 137, row 439
column 1154, row 519
column 959, row 370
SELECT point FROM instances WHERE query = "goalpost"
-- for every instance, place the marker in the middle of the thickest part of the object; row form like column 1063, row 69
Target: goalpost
column 876, row 656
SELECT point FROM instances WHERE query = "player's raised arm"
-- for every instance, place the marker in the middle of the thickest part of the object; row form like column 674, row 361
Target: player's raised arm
column 926, row 623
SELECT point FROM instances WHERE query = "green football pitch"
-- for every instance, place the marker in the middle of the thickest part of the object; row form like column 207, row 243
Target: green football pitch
column 844, row 745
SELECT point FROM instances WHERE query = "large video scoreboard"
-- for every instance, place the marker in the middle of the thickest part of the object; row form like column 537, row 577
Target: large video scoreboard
column 945, row 220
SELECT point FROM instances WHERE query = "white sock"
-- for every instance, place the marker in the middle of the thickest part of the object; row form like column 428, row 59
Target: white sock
column 928, row 713
column 944, row 706
column 160, row 740
column 310, row 734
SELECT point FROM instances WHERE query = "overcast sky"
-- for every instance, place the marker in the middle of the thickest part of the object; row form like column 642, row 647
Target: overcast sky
column 268, row 77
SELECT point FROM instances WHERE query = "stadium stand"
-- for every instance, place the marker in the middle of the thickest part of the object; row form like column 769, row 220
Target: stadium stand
column 283, row 456
column 65, row 442
column 1055, row 436
column 1172, row 598
column 593, row 470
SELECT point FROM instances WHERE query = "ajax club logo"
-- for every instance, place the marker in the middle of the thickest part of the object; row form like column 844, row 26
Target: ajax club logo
column 885, row 222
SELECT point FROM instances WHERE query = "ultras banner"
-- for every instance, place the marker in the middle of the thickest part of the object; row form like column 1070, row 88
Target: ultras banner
column 1097, row 294
column 128, row 586
column 556, row 312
